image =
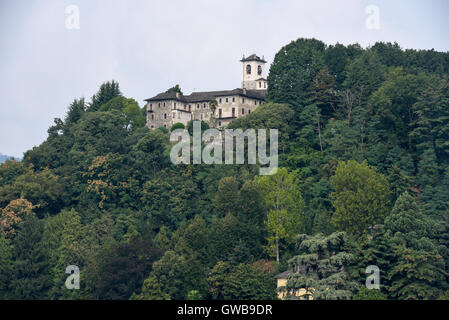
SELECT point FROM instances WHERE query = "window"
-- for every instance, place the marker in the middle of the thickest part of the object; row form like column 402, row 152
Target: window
column 219, row 123
column 243, row 100
column 248, row 69
column 152, row 127
column 233, row 99
column 204, row 106
column 165, row 116
column 255, row 102
column 233, row 112
column 227, row 100
column 175, row 104
column 198, row 106
column 260, row 84
column 164, row 104
column 201, row 116
column 174, row 115
column 243, row 111
column 165, row 126
column 249, row 111
column 152, row 117
column 219, row 100
column 219, row 113
column 159, row 105
column 264, row 84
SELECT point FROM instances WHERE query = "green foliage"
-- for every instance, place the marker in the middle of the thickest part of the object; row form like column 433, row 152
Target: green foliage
column 320, row 267
column 418, row 271
column 293, row 69
column 361, row 198
column 30, row 279
column 124, row 271
column 369, row 294
column 284, row 206
column 176, row 88
column 357, row 129
column 6, row 267
column 177, row 125
column 107, row 92
column 129, row 108
column 242, row 282
column 175, row 276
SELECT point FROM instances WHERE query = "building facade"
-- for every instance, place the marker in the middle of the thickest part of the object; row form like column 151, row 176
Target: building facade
column 218, row 108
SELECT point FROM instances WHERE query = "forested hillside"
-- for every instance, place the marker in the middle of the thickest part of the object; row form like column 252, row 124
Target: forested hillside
column 363, row 180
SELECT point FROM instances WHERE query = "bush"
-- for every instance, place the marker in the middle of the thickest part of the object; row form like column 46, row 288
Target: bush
column 177, row 125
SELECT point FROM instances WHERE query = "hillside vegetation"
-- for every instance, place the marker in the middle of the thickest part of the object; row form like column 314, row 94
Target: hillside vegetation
column 363, row 180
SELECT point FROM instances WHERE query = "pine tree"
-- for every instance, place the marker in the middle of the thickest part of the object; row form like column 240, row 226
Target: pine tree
column 419, row 269
column 75, row 112
column 31, row 269
column 108, row 91
column 6, row 267
column 320, row 268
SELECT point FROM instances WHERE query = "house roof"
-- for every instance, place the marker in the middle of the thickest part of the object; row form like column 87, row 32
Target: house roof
column 252, row 57
column 283, row 275
column 209, row 95
column 168, row 95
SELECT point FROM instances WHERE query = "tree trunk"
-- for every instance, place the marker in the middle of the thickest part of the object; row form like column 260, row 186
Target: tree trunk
column 277, row 249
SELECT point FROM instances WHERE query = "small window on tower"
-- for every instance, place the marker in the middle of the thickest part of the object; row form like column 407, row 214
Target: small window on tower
column 259, row 70
column 248, row 69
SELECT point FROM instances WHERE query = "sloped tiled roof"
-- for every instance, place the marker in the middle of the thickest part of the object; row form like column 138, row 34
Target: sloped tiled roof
column 209, row 95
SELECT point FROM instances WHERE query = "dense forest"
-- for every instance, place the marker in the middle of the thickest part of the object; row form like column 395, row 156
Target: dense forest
column 363, row 180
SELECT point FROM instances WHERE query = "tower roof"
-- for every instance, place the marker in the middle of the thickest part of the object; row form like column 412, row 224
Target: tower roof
column 253, row 57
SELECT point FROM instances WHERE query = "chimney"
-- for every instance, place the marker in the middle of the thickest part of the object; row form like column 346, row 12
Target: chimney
column 178, row 95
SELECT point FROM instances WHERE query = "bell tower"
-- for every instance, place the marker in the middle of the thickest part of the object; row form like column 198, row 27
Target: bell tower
column 253, row 73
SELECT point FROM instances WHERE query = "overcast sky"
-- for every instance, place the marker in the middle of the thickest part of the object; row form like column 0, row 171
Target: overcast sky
column 148, row 46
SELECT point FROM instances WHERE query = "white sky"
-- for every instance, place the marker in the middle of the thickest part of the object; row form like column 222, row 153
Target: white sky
column 149, row 46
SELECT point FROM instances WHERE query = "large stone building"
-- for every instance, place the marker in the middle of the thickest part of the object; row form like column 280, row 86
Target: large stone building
column 218, row 108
